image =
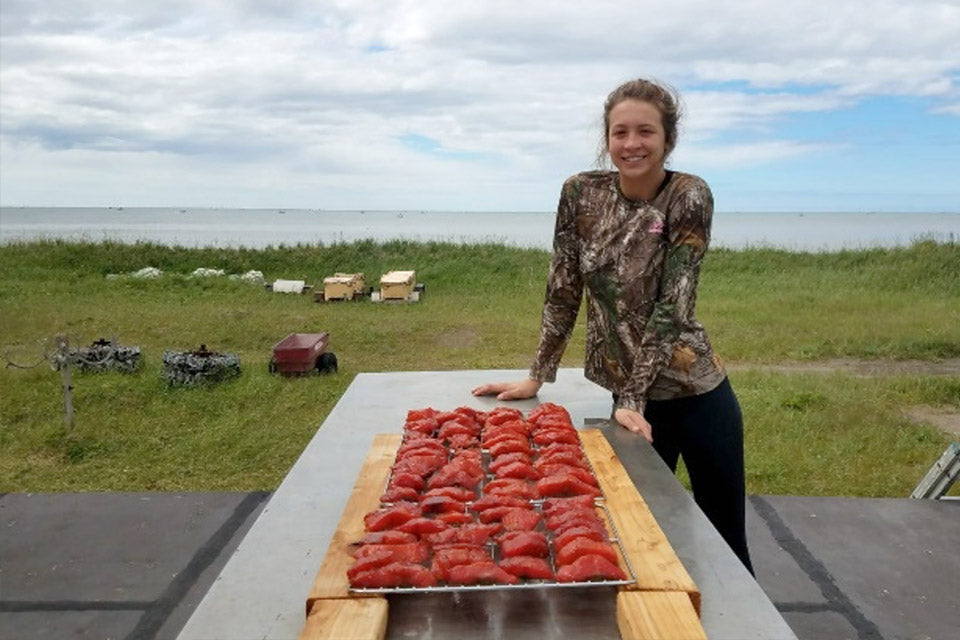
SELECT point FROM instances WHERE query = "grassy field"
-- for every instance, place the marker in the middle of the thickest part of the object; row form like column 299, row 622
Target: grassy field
column 807, row 434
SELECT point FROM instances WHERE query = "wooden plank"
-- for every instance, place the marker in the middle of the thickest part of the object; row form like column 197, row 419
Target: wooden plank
column 331, row 580
column 347, row 619
column 652, row 558
column 655, row 615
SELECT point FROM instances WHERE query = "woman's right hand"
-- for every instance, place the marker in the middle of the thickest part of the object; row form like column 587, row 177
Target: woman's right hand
column 518, row 390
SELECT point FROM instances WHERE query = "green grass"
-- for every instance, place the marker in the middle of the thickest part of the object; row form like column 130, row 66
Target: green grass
column 806, row 434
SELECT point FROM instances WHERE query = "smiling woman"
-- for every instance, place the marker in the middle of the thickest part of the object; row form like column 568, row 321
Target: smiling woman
column 635, row 239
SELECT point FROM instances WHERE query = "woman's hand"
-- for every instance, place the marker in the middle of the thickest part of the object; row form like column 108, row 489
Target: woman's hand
column 518, row 390
column 635, row 422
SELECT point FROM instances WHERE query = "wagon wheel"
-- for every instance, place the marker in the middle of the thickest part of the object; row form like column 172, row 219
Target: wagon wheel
column 272, row 367
column 327, row 362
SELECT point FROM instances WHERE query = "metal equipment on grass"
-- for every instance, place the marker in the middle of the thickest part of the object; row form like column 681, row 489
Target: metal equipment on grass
column 303, row 353
column 190, row 368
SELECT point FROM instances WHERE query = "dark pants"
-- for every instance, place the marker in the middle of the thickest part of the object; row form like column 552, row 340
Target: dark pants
column 707, row 430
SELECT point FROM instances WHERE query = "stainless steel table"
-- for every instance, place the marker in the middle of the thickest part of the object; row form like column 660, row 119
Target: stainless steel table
column 261, row 591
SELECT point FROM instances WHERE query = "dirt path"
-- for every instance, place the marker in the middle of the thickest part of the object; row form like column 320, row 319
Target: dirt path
column 945, row 418
column 867, row 368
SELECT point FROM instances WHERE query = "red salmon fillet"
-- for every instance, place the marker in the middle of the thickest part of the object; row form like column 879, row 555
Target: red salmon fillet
column 387, row 537
column 441, row 504
column 388, row 518
column 397, row 574
column 522, row 470
column 509, row 458
column 585, row 547
column 508, row 446
column 410, row 552
column 477, row 534
column 491, row 501
column 527, row 567
column 456, row 518
column 423, row 526
column 564, row 485
column 521, row 519
column 457, row 493
column 446, row 558
column 552, row 435
column 590, row 567
column 479, row 573
column 523, row 543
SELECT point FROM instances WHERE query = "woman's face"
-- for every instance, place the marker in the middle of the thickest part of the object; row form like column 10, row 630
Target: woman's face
column 636, row 140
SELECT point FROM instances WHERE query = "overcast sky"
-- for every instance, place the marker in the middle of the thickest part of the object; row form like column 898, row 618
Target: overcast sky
column 791, row 105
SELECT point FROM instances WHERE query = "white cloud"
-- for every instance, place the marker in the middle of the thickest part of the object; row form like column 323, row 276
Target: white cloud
column 253, row 95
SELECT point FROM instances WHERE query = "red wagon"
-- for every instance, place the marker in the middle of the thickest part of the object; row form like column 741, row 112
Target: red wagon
column 301, row 353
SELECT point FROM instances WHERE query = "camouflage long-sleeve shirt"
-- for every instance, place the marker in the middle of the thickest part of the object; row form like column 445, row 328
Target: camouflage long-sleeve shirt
column 639, row 263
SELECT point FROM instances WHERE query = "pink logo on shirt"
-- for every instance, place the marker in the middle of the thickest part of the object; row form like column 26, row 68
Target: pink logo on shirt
column 656, row 227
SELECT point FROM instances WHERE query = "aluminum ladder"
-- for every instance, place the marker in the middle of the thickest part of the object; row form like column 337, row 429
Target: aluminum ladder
column 941, row 475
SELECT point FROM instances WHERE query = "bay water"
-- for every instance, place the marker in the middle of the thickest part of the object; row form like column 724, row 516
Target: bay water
column 258, row 228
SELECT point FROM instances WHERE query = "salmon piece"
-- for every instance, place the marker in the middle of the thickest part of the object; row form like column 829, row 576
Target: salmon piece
column 583, row 475
column 572, row 458
column 407, row 479
column 557, row 447
column 503, row 435
column 446, row 558
column 512, row 487
column 508, row 446
column 521, row 520
column 553, row 435
column 491, row 501
column 420, row 464
column 564, row 485
column 561, row 521
column 396, row 494
column 420, row 444
column 456, row 475
column 462, row 441
column 509, row 458
column 496, row 514
column 371, row 561
column 582, row 521
column 527, row 567
column 547, row 409
column 590, row 567
column 584, row 547
column 476, row 534
column 457, row 493
column 388, row 518
column 598, row 533
column 522, row 470
column 422, row 526
column 441, row 504
column 485, row 572
column 397, row 574
column 410, row 552
column 499, row 415
column 452, row 428
column 386, row 537
column 421, row 414
column 423, row 425
column 556, row 506
column 523, row 543
column 454, row 518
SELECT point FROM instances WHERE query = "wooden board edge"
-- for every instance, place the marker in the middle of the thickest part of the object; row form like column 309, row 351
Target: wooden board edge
column 653, row 560
column 652, row 615
column 347, row 619
column 331, row 579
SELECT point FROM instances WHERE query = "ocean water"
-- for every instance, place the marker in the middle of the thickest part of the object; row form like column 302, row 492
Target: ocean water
column 257, row 228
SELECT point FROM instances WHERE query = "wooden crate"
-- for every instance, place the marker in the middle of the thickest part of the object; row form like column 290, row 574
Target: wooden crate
column 652, row 603
column 397, row 285
column 343, row 286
